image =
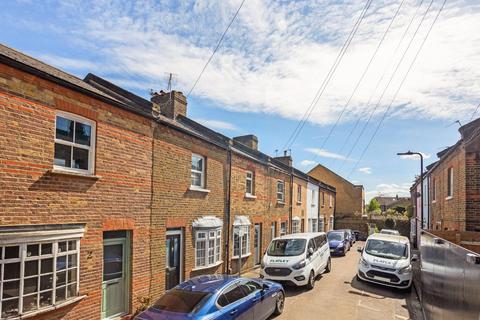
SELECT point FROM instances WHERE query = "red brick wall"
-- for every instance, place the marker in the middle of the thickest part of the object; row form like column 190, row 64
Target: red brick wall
column 300, row 208
column 472, row 162
column 449, row 213
column 31, row 194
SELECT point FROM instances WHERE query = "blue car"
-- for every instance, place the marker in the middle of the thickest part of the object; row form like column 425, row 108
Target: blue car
column 218, row 297
column 339, row 242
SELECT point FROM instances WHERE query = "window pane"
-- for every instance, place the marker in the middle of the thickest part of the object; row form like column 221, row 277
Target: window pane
column 235, row 294
column 197, row 163
column 46, row 248
column 112, row 262
column 80, row 158
column 63, row 155
column 29, row 303
column 64, row 129
column 45, row 298
column 12, row 252
column 62, row 247
column 46, row 282
column 46, row 265
column 31, row 268
column 249, row 186
column 11, row 289
column 33, row 250
column 83, row 132
column 72, row 245
column 72, row 290
column 211, row 251
column 61, row 263
column 60, row 294
column 61, row 278
column 9, row 308
column 12, row 270
column 196, row 179
column 72, row 275
column 30, row 285
column 200, row 250
column 72, row 260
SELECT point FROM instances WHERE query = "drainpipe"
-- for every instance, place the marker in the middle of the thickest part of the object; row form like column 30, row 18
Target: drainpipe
column 227, row 211
column 319, row 213
column 290, row 213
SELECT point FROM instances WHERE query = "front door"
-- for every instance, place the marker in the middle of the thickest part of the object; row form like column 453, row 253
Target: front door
column 173, row 267
column 257, row 243
column 115, row 275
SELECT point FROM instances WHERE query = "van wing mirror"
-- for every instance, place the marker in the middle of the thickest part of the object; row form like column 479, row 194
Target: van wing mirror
column 414, row 257
column 310, row 251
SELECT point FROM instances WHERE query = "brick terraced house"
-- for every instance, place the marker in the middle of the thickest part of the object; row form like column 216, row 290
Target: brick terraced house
column 107, row 198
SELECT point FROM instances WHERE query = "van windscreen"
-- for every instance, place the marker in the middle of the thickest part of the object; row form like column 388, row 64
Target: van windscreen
column 286, row 247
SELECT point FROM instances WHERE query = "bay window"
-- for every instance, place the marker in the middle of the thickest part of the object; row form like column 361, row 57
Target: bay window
column 207, row 247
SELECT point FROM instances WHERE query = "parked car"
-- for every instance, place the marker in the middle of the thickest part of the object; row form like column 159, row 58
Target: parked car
column 386, row 260
column 296, row 259
column 338, row 242
column 390, row 231
column 218, row 297
column 350, row 236
column 360, row 236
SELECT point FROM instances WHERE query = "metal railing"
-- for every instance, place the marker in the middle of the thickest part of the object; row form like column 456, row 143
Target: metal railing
column 448, row 280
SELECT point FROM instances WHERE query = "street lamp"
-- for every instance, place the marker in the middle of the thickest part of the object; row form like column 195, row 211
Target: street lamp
column 409, row 153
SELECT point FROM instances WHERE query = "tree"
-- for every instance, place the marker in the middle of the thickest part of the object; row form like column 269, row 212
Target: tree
column 373, row 206
column 410, row 211
column 389, row 223
column 400, row 209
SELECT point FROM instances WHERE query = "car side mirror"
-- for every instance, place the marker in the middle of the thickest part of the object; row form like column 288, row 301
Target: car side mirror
column 265, row 287
column 360, row 249
column 414, row 257
column 310, row 251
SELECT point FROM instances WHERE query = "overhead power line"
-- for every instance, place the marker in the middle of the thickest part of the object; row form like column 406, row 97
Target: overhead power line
column 359, row 82
column 326, row 80
column 475, row 112
column 216, row 48
column 357, row 122
column 398, row 89
column 377, row 105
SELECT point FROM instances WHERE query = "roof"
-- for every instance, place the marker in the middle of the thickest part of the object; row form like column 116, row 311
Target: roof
column 336, row 174
column 206, row 283
column 388, row 237
column 388, row 201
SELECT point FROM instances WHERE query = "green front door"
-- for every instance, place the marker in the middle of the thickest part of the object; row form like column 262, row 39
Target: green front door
column 115, row 276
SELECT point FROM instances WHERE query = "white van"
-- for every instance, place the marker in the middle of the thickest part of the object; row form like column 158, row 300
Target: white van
column 386, row 260
column 296, row 259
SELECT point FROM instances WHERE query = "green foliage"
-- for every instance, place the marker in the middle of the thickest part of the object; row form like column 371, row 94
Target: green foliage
column 373, row 206
column 390, row 223
column 410, row 211
column 400, row 209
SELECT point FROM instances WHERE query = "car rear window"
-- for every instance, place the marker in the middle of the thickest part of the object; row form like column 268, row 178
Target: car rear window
column 182, row 301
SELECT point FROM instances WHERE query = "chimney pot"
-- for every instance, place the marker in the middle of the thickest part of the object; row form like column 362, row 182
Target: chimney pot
column 249, row 140
column 171, row 104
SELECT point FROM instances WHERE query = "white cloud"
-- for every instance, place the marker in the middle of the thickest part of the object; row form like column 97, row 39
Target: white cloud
column 326, row 154
column 306, row 163
column 277, row 53
column 217, row 124
column 366, row 170
column 389, row 190
column 415, row 156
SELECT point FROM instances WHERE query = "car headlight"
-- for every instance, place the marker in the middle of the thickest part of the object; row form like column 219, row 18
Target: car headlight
column 407, row 269
column 364, row 263
column 300, row 265
column 340, row 245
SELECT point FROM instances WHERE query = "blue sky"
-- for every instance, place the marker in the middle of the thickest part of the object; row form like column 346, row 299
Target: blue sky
column 272, row 62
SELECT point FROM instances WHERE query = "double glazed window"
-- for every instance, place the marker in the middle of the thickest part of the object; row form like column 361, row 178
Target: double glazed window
column 74, row 143
column 249, row 183
column 295, row 226
column 450, row 182
column 241, row 238
column 37, row 275
column 198, row 171
column 207, row 247
column 283, row 228
column 280, row 191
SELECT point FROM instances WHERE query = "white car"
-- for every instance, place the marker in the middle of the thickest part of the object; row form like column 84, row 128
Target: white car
column 296, row 259
column 386, row 260
column 390, row 231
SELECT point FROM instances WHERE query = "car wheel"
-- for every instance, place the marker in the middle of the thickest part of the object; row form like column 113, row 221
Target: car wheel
column 349, row 246
column 311, row 281
column 280, row 303
column 329, row 266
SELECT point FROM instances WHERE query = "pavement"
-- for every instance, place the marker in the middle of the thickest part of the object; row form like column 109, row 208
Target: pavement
column 339, row 295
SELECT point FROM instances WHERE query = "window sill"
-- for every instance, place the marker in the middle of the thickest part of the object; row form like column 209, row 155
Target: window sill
column 281, row 202
column 49, row 309
column 198, row 189
column 250, row 196
column 208, row 267
column 449, row 198
column 74, row 174
column 243, row 256
column 299, row 203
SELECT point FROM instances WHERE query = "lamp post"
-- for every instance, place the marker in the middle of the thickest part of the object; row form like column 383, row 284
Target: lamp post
column 409, row 153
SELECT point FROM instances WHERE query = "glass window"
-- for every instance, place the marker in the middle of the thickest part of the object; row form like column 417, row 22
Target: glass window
column 29, row 280
column 74, row 138
column 183, row 301
column 198, row 171
column 251, row 286
column 450, row 182
column 234, row 293
column 299, row 194
column 434, row 190
column 241, row 233
column 273, row 230
column 207, row 247
column 283, row 228
column 287, row 247
column 295, row 226
column 386, row 249
column 280, row 191
column 249, row 183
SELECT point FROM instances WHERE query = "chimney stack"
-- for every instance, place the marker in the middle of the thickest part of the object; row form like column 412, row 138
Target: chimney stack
column 170, row 104
column 249, row 140
column 286, row 159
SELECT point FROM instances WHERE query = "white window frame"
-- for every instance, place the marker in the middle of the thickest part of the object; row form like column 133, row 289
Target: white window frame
column 214, row 234
column 295, row 226
column 299, row 193
column 450, row 183
column 249, row 176
column 23, row 258
column 281, row 194
column 91, row 148
column 245, row 238
column 283, row 228
column 201, row 172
